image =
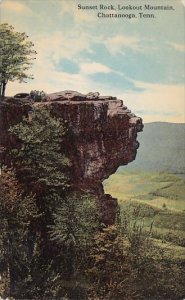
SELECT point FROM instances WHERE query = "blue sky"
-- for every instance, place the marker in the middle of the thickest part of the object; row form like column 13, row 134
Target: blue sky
column 141, row 61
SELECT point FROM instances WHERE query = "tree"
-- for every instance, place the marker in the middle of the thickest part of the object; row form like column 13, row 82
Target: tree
column 42, row 167
column 17, row 212
column 109, row 269
column 76, row 222
column 16, row 53
column 39, row 159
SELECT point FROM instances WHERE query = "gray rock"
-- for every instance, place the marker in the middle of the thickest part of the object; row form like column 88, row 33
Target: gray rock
column 92, row 96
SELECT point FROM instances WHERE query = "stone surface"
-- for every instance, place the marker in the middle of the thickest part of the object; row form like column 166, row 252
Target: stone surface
column 102, row 135
column 76, row 96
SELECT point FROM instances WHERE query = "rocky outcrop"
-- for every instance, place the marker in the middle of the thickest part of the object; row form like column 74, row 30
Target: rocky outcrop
column 101, row 136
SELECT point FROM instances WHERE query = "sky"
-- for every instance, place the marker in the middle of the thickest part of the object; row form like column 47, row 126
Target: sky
column 139, row 60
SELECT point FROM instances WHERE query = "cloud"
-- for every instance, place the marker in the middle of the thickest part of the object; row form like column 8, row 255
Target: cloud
column 178, row 47
column 15, row 6
column 118, row 43
column 93, row 68
column 79, row 16
column 158, row 102
column 63, row 45
column 50, row 80
column 62, row 33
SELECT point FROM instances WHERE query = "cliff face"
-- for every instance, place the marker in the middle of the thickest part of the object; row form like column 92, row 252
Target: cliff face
column 101, row 137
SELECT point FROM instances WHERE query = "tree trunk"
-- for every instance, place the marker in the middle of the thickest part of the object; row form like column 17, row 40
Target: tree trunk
column 2, row 90
column 1, row 87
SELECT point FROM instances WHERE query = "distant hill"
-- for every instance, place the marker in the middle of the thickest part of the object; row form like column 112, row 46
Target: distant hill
column 162, row 148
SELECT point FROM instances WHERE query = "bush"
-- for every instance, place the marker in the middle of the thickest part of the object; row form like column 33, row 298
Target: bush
column 38, row 96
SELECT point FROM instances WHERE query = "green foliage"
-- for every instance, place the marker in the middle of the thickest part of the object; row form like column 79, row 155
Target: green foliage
column 149, row 260
column 42, row 168
column 53, row 245
column 76, row 221
column 38, row 96
column 109, row 269
column 40, row 156
column 126, row 263
column 16, row 55
column 17, row 212
column 89, row 261
column 149, row 192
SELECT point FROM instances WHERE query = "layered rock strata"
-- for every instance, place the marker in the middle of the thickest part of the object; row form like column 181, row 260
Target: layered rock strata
column 101, row 136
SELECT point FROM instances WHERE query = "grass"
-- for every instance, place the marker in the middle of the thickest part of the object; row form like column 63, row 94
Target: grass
column 160, row 190
column 159, row 198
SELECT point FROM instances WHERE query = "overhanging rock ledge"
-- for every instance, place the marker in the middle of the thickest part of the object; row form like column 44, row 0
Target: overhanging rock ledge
column 101, row 136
